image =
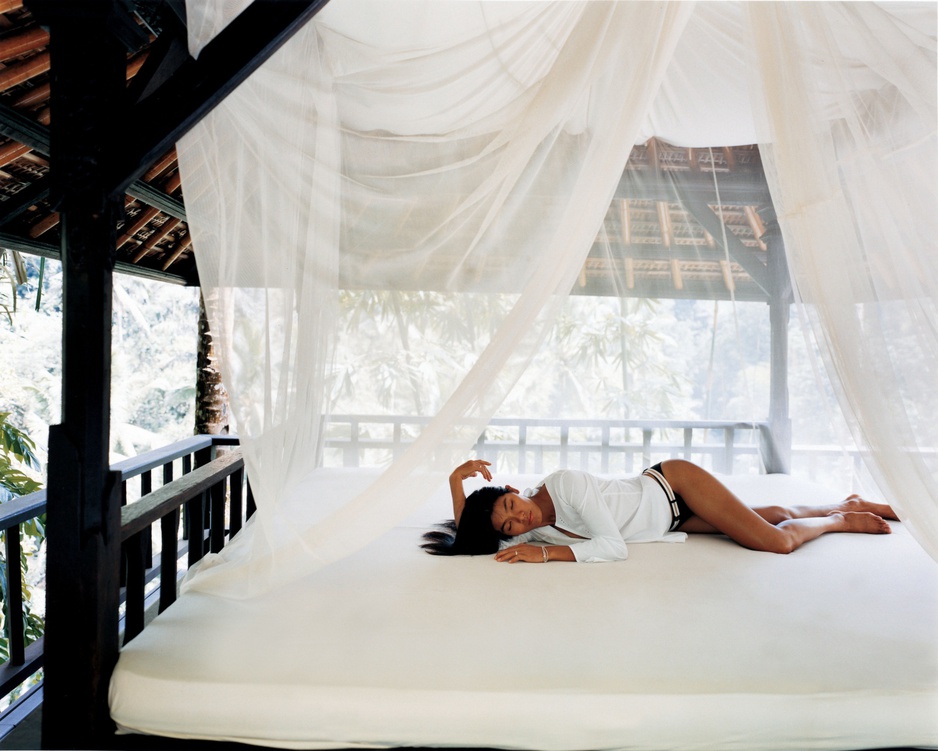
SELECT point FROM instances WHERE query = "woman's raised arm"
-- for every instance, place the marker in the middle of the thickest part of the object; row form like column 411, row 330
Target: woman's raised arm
column 468, row 469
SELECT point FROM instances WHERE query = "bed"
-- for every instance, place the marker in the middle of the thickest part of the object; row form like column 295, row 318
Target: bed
column 700, row 645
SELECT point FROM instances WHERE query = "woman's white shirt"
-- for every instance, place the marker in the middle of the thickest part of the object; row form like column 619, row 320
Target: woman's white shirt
column 607, row 511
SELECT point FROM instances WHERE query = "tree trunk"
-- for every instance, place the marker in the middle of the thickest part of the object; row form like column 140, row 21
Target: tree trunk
column 211, row 398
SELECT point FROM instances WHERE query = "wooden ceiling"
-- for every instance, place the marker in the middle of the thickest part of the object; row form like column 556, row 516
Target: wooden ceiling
column 153, row 239
column 663, row 235
column 686, row 223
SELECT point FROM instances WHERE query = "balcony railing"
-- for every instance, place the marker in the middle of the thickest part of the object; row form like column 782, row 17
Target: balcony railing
column 207, row 485
column 539, row 445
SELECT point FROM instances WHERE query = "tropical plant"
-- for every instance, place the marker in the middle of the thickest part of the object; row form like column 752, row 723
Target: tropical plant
column 17, row 452
column 12, row 273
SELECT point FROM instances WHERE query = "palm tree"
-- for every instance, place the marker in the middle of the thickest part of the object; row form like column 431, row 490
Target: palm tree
column 211, row 397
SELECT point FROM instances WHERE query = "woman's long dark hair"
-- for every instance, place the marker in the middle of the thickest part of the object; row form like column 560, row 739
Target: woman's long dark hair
column 475, row 534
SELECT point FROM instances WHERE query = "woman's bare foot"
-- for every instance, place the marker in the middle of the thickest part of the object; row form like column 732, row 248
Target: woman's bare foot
column 854, row 503
column 863, row 521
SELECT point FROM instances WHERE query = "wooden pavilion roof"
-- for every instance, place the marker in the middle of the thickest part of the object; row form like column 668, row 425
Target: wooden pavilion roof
column 687, row 223
column 154, row 237
column 658, row 240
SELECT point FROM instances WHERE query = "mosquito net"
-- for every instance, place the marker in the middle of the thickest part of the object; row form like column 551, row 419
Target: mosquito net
column 423, row 222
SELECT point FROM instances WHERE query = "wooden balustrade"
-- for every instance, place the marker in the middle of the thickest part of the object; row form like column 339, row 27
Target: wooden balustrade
column 203, row 494
column 207, row 486
column 539, row 445
column 24, row 660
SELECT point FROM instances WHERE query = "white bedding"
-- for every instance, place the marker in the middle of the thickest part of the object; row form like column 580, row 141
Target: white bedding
column 700, row 645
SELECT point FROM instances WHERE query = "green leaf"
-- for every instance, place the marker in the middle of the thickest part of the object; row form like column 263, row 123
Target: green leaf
column 16, row 442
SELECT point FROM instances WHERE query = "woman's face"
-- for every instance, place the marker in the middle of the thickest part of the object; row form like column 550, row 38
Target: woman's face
column 514, row 515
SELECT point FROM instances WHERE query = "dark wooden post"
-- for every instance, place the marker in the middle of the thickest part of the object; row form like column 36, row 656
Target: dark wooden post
column 777, row 455
column 81, row 644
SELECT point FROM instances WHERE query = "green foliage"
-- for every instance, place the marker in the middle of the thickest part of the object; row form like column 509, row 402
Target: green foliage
column 403, row 353
column 17, row 453
column 15, row 448
column 7, row 279
column 153, row 360
column 153, row 367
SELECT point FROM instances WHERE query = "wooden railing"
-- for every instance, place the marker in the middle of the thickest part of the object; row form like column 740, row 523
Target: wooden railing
column 211, row 499
column 538, row 445
column 209, row 487
column 24, row 660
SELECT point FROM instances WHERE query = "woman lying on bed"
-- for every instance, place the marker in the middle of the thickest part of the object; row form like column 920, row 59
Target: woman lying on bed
column 580, row 517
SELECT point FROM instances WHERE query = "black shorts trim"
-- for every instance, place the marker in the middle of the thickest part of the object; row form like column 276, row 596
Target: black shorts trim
column 680, row 511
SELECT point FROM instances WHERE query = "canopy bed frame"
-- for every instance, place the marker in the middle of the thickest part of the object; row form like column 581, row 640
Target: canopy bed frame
column 97, row 171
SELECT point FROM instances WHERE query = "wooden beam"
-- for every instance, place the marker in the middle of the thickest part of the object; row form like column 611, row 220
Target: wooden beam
column 692, row 160
column 183, row 246
column 663, row 289
column 135, row 64
column 676, row 277
column 11, row 151
column 155, row 239
column 83, row 518
column 738, row 188
column 625, row 220
column 664, row 223
column 12, row 675
column 138, row 516
column 727, row 272
column 165, row 55
column 167, row 160
column 738, row 252
column 755, row 224
column 641, row 252
column 629, row 273
column 197, row 86
column 23, row 42
column 20, row 128
column 158, row 198
column 141, row 221
column 33, row 96
column 17, row 73
column 22, row 200
column 44, row 225
column 27, row 131
column 47, row 250
column 173, row 183
column 730, row 157
column 651, row 149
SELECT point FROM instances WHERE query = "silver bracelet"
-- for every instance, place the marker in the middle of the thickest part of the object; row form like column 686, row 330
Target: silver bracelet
column 546, row 555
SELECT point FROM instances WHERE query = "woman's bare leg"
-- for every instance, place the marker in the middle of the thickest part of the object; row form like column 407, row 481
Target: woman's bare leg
column 771, row 528
column 778, row 514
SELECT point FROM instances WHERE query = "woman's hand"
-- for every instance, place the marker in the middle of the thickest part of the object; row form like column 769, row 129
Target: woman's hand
column 523, row 553
column 471, row 468
column 468, row 469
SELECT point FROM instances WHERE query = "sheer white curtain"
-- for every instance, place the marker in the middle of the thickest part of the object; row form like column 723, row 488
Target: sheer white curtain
column 849, row 94
column 472, row 149
column 466, row 148
column 841, row 98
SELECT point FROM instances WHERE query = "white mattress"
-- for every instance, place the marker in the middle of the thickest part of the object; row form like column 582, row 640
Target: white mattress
column 701, row 645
